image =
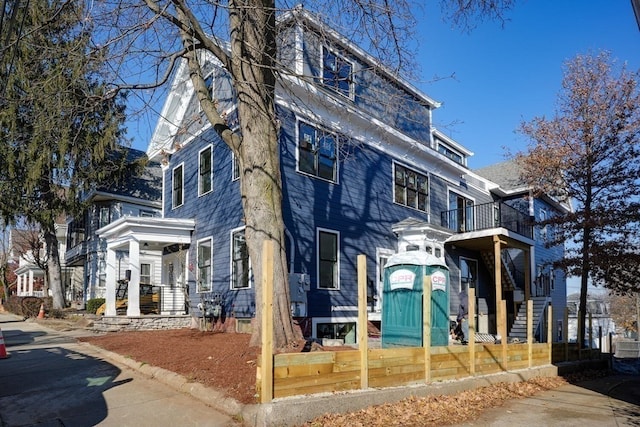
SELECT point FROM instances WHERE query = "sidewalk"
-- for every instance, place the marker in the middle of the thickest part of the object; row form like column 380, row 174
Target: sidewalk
column 609, row 401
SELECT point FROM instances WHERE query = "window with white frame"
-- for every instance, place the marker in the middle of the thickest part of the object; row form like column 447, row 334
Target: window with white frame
column 411, row 188
column 235, row 165
column 177, row 194
column 205, row 171
column 345, row 331
column 337, row 72
column 328, row 259
column 102, row 273
column 104, row 216
column 450, row 153
column 240, row 266
column 317, row 152
column 145, row 274
column 204, row 266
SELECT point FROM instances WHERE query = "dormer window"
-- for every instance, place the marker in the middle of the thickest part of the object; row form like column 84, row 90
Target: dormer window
column 337, row 73
column 450, row 153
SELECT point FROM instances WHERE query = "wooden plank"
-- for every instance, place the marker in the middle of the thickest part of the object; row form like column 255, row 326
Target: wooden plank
column 298, row 371
column 319, row 388
column 363, row 336
column 409, row 378
column 266, row 353
column 284, row 359
column 550, row 331
column 390, row 353
column 317, row 380
column 472, row 329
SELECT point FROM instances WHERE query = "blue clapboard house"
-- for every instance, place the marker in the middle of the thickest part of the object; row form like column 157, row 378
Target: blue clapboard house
column 364, row 172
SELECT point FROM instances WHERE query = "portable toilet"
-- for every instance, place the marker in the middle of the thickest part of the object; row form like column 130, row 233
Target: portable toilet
column 402, row 293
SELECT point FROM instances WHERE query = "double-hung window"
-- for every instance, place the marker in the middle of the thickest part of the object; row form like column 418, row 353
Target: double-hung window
column 328, row 259
column 204, row 266
column 205, row 171
column 145, row 274
column 337, row 73
column 104, row 216
column 317, row 152
column 411, row 188
column 240, row 266
column 177, row 194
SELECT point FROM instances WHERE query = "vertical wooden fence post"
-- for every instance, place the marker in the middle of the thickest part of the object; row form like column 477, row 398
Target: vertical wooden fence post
column 565, row 334
column 530, row 332
column 266, row 355
column 471, row 339
column 363, row 335
column 503, row 335
column 426, row 326
column 550, row 331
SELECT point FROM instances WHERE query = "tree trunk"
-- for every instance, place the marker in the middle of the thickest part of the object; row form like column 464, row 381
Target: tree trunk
column 53, row 269
column 584, row 285
column 253, row 50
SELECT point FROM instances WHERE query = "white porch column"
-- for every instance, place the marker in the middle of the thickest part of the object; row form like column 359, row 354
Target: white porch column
column 18, row 284
column 133, row 297
column 31, row 283
column 110, row 297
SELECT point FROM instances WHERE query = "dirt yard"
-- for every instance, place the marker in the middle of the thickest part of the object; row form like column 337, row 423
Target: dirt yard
column 217, row 360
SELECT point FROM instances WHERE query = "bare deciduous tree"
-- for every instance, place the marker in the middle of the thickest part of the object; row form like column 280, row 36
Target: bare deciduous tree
column 588, row 155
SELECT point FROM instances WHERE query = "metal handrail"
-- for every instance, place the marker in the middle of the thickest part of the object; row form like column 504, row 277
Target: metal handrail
column 486, row 216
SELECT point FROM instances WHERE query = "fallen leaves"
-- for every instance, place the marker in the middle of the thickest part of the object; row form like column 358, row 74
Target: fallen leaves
column 438, row 410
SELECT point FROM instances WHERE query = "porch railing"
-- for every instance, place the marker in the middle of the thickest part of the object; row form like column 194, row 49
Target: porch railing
column 487, row 216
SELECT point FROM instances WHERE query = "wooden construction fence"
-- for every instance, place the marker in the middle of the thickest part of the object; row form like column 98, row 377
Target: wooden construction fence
column 334, row 371
column 291, row 374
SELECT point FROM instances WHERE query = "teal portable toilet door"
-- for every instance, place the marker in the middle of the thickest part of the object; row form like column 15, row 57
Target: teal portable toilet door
column 402, row 292
column 401, row 323
column 439, row 304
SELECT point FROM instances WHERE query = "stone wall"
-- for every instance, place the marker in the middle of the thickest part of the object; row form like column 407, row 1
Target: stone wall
column 141, row 323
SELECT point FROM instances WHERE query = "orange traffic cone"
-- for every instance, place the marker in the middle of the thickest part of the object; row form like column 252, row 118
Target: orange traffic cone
column 41, row 314
column 3, row 349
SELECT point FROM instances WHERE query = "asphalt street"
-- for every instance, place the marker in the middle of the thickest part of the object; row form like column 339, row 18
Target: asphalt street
column 49, row 379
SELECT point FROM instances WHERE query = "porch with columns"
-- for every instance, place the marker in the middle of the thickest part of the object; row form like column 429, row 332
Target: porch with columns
column 129, row 234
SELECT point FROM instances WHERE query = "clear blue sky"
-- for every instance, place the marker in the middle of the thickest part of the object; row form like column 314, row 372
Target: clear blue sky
column 504, row 75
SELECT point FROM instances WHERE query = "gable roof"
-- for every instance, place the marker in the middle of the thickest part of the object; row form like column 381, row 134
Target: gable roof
column 506, row 174
column 508, row 177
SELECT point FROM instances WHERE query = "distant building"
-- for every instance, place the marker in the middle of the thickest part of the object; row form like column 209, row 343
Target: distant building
column 598, row 311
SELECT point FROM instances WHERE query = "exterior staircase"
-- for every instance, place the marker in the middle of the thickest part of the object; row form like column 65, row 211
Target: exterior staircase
column 519, row 328
column 507, row 275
